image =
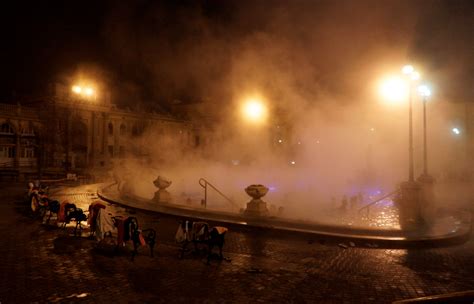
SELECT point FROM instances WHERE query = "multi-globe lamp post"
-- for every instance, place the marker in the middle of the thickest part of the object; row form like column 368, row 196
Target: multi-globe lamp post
column 396, row 89
column 412, row 76
column 82, row 92
column 85, row 92
column 414, row 195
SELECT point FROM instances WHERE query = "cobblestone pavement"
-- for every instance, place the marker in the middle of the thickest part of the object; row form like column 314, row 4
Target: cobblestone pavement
column 46, row 265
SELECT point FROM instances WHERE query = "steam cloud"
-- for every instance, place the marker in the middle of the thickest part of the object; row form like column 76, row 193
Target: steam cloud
column 315, row 63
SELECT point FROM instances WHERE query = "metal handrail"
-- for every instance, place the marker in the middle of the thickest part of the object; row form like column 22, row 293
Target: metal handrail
column 376, row 201
column 204, row 183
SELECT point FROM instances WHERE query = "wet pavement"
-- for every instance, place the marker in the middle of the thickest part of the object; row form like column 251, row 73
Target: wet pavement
column 42, row 264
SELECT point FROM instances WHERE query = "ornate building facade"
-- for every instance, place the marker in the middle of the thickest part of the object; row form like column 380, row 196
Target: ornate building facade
column 65, row 132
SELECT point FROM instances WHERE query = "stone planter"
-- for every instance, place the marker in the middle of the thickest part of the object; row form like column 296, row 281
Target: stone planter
column 162, row 195
column 256, row 207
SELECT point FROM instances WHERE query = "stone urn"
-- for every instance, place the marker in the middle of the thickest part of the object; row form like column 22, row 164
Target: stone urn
column 162, row 195
column 256, row 207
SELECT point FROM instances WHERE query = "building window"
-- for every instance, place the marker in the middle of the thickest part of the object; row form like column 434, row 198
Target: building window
column 28, row 130
column 7, row 152
column 6, row 129
column 123, row 129
column 111, row 129
column 111, row 151
column 197, row 141
column 121, row 151
column 28, row 152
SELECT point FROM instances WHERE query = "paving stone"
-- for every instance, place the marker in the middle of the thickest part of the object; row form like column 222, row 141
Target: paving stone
column 32, row 271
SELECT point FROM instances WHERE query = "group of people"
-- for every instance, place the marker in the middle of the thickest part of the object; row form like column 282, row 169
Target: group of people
column 351, row 203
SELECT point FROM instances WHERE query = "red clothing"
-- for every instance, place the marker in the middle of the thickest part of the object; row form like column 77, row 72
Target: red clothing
column 93, row 212
column 119, row 223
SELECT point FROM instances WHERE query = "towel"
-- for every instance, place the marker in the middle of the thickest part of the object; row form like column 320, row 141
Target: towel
column 221, row 230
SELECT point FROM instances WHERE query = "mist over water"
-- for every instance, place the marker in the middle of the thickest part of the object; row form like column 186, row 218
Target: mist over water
column 329, row 153
column 316, row 66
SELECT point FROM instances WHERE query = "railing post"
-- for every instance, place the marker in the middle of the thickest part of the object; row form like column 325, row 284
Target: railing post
column 204, row 183
column 203, row 201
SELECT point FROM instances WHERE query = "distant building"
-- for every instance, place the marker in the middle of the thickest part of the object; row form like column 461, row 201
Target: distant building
column 66, row 132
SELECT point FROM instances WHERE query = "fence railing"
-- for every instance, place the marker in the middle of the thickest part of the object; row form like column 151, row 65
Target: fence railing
column 204, row 183
column 367, row 207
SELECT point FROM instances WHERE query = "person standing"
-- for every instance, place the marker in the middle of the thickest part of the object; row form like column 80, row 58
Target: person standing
column 343, row 207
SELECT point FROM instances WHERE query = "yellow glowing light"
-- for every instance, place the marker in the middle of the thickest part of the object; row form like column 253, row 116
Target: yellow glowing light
column 424, row 90
column 89, row 91
column 254, row 110
column 77, row 89
column 408, row 69
column 394, row 89
column 415, row 76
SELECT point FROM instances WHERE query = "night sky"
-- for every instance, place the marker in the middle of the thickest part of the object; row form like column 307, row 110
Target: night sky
column 160, row 51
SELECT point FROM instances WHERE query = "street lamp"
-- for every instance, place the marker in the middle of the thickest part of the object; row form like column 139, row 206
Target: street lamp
column 254, row 110
column 413, row 75
column 393, row 89
column 84, row 92
column 415, row 196
column 425, row 92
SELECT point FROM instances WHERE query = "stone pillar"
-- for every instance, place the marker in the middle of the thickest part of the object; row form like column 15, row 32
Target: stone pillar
column 105, row 135
column 409, row 205
column 116, row 125
column 427, row 199
column 16, row 159
column 92, row 151
column 68, row 141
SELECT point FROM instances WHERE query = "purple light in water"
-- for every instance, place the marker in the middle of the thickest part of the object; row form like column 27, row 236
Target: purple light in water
column 386, row 202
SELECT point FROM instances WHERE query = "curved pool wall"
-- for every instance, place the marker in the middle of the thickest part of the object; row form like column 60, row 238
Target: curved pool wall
column 452, row 231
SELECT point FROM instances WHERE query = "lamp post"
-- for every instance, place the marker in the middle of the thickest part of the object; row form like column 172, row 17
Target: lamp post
column 413, row 75
column 425, row 93
column 409, row 202
column 80, row 93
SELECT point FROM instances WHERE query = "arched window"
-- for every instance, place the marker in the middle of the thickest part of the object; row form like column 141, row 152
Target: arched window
column 7, row 141
column 123, row 129
column 111, row 129
column 6, row 128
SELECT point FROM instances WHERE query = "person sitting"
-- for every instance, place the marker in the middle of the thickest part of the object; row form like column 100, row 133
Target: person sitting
column 343, row 207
